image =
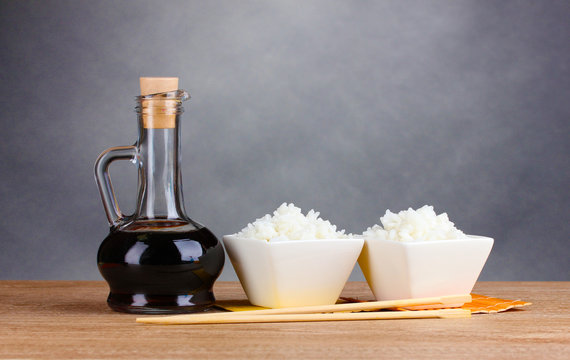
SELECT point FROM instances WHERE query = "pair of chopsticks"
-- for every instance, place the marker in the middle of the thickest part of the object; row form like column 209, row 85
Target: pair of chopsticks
column 336, row 312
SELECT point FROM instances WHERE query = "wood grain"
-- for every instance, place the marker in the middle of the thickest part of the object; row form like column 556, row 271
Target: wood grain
column 70, row 319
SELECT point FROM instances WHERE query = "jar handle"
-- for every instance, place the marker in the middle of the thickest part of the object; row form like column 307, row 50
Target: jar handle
column 103, row 179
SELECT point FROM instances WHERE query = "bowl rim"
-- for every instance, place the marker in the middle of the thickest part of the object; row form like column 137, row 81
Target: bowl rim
column 304, row 241
column 469, row 238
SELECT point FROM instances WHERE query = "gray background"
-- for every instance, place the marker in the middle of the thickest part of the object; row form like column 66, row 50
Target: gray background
column 347, row 107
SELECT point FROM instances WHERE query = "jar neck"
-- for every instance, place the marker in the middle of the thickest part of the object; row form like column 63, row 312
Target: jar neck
column 160, row 181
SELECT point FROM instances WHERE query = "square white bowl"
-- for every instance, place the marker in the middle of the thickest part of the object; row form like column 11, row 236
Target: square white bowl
column 292, row 273
column 408, row 270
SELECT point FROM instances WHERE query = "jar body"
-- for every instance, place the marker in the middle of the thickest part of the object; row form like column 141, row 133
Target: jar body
column 160, row 269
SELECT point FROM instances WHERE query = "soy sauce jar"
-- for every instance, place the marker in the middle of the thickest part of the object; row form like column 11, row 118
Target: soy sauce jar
column 157, row 260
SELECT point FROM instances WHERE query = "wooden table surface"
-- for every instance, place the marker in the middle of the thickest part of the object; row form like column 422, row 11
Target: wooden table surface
column 70, row 319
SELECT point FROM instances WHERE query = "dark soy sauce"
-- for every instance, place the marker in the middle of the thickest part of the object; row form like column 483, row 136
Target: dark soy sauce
column 152, row 271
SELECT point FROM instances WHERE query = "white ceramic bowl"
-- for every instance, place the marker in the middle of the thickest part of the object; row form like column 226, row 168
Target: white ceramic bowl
column 292, row 273
column 407, row 270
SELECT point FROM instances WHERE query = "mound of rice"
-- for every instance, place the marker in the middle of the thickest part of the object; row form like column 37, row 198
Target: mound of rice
column 414, row 225
column 289, row 223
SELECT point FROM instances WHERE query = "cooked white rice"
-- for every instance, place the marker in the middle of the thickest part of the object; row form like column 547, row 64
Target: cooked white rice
column 289, row 223
column 414, row 225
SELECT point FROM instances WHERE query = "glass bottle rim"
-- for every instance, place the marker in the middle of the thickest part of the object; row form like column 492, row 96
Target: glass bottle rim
column 164, row 103
column 179, row 94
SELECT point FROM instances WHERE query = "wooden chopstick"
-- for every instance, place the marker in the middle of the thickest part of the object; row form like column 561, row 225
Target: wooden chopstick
column 234, row 318
column 362, row 306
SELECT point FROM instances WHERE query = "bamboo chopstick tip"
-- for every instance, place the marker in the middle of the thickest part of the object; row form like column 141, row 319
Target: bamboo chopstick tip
column 456, row 299
column 454, row 313
column 148, row 320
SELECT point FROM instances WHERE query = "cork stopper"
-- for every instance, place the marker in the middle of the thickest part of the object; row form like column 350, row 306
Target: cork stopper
column 158, row 112
column 153, row 85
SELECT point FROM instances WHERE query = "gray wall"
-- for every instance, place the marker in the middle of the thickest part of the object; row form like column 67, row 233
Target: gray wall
column 347, row 107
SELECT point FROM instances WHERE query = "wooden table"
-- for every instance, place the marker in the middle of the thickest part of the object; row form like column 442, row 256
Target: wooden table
column 70, row 319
